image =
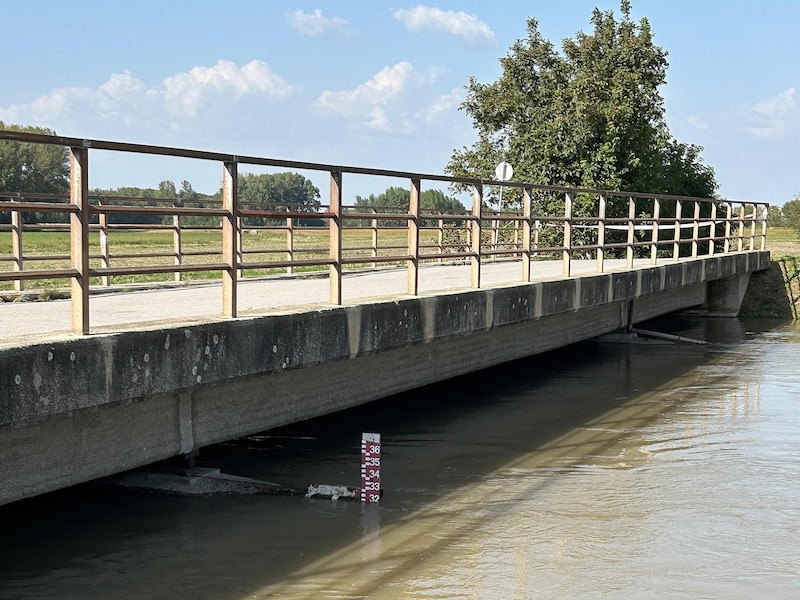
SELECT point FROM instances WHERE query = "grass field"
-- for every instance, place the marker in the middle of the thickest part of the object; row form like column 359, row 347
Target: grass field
column 50, row 250
column 782, row 241
column 133, row 248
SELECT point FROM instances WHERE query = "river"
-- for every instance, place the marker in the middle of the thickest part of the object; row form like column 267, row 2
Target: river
column 597, row 471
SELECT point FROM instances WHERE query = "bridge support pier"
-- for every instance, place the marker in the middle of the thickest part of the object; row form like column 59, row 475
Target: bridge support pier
column 724, row 296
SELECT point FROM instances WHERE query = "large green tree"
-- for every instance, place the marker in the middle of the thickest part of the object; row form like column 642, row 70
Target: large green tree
column 791, row 214
column 277, row 191
column 27, row 167
column 588, row 116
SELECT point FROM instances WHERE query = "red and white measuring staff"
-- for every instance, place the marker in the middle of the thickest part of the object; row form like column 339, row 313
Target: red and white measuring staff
column 370, row 467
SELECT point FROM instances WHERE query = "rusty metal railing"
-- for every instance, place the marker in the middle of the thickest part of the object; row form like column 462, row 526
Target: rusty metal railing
column 546, row 223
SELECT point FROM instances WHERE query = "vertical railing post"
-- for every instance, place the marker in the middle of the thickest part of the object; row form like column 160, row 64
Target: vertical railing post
column 763, row 243
column 335, row 243
column 413, row 238
column 230, row 235
column 526, row 235
column 440, row 240
column 656, row 231
column 374, row 249
column 495, row 231
column 17, row 224
column 475, row 235
column 105, row 250
column 753, row 229
column 676, row 240
column 290, row 244
column 177, row 242
column 79, row 237
column 695, row 229
column 629, row 253
column 240, row 232
column 728, row 215
column 712, row 230
column 601, row 231
column 566, row 252
column 740, row 235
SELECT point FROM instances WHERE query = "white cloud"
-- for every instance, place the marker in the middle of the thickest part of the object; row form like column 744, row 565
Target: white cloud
column 365, row 103
column 315, row 23
column 776, row 117
column 123, row 102
column 447, row 103
column 187, row 93
column 468, row 27
column 696, row 122
column 397, row 99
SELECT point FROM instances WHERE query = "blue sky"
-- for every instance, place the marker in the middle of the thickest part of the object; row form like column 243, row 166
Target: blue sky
column 374, row 84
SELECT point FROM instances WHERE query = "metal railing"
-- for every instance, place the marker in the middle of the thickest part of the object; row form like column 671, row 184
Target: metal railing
column 546, row 223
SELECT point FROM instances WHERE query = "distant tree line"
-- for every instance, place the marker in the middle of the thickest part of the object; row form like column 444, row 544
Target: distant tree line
column 397, row 199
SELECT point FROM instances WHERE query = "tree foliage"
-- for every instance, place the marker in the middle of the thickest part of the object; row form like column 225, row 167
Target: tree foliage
column 589, row 116
column 27, row 167
column 166, row 190
column 775, row 216
column 791, row 214
column 277, row 191
column 397, row 199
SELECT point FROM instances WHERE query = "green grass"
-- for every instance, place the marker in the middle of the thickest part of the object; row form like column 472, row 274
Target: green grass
column 309, row 243
column 783, row 234
column 267, row 245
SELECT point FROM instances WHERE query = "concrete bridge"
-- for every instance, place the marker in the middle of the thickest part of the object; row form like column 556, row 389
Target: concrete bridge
column 164, row 372
column 78, row 408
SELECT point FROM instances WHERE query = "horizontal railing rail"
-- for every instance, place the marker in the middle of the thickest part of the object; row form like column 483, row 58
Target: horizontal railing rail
column 544, row 223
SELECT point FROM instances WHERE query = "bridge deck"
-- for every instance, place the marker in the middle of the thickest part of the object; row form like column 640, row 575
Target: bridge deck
column 24, row 323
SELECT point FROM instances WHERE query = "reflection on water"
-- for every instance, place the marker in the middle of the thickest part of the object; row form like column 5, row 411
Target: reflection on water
column 597, row 471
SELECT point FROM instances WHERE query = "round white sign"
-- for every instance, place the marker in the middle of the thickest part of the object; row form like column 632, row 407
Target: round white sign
column 504, row 171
